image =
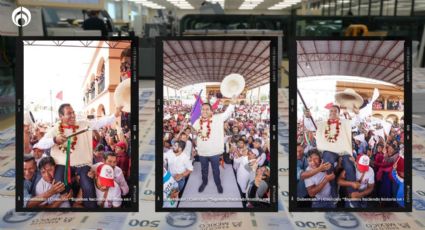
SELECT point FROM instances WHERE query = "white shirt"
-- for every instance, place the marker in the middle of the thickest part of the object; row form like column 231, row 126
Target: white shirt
column 308, row 124
column 113, row 199
column 243, row 176
column 188, row 149
column 215, row 143
column 177, row 164
column 83, row 153
column 42, row 187
column 118, row 177
column 261, row 159
column 368, row 178
column 342, row 145
column 315, row 180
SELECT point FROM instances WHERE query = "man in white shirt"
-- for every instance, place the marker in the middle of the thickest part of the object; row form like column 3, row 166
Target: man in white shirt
column 47, row 189
column 188, row 149
column 334, row 139
column 178, row 163
column 244, row 173
column 110, row 158
column 318, row 185
column 81, row 156
column 108, row 192
column 210, row 141
column 38, row 153
column 184, row 137
column 363, row 186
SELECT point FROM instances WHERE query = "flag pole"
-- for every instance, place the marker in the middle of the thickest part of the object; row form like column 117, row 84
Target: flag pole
column 196, row 103
column 305, row 106
column 51, row 108
column 197, row 99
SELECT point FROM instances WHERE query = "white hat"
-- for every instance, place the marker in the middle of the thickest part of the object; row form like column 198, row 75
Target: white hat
column 349, row 99
column 122, row 95
column 105, row 175
column 232, row 84
column 363, row 163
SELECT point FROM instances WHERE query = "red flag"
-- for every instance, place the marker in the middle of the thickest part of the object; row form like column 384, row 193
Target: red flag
column 329, row 105
column 59, row 95
column 216, row 103
column 200, row 99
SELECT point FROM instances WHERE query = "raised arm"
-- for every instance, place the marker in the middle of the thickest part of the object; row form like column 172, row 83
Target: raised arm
column 230, row 109
column 104, row 121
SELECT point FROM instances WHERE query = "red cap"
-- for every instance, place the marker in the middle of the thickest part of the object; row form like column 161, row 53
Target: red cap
column 363, row 163
column 105, row 175
column 121, row 144
column 329, row 105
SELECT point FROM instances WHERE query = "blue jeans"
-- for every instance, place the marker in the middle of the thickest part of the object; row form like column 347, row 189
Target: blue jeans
column 86, row 183
column 215, row 165
column 347, row 164
column 181, row 183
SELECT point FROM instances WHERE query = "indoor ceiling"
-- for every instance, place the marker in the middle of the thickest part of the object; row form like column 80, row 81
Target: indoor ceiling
column 228, row 4
column 196, row 61
column 375, row 59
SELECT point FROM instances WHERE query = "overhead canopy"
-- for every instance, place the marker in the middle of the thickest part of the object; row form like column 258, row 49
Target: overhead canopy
column 379, row 60
column 196, row 61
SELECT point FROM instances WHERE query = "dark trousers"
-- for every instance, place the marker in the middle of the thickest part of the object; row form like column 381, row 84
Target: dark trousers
column 347, row 164
column 215, row 165
column 86, row 183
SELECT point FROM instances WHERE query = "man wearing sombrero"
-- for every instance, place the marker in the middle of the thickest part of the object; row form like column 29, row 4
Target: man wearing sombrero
column 334, row 136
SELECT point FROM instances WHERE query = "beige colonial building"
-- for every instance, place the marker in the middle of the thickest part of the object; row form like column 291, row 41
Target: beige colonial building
column 102, row 77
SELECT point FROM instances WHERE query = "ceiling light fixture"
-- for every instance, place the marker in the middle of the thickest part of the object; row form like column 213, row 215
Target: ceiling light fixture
column 148, row 4
column 250, row 4
column 284, row 4
column 181, row 4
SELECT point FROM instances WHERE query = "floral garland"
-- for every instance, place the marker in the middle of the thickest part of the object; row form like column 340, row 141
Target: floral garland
column 74, row 138
column 331, row 136
column 201, row 133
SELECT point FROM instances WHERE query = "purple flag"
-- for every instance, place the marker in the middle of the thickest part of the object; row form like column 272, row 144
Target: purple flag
column 196, row 111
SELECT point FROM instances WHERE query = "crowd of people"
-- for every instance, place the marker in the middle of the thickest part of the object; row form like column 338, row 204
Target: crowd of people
column 369, row 172
column 66, row 168
column 239, row 134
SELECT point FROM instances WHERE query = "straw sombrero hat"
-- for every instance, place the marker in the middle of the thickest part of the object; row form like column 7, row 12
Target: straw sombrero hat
column 349, row 99
column 122, row 95
column 232, row 84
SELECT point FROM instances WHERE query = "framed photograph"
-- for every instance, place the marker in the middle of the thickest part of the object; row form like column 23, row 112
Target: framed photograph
column 76, row 124
column 350, row 125
column 216, row 126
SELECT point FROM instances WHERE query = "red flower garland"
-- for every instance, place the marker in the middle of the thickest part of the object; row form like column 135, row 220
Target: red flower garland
column 74, row 138
column 205, row 138
column 333, row 138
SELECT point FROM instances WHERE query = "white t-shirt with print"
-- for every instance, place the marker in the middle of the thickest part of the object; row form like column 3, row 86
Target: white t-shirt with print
column 113, row 199
column 368, row 178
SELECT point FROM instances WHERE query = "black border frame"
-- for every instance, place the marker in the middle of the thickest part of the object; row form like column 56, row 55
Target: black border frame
column 19, row 86
column 273, row 126
column 407, row 125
